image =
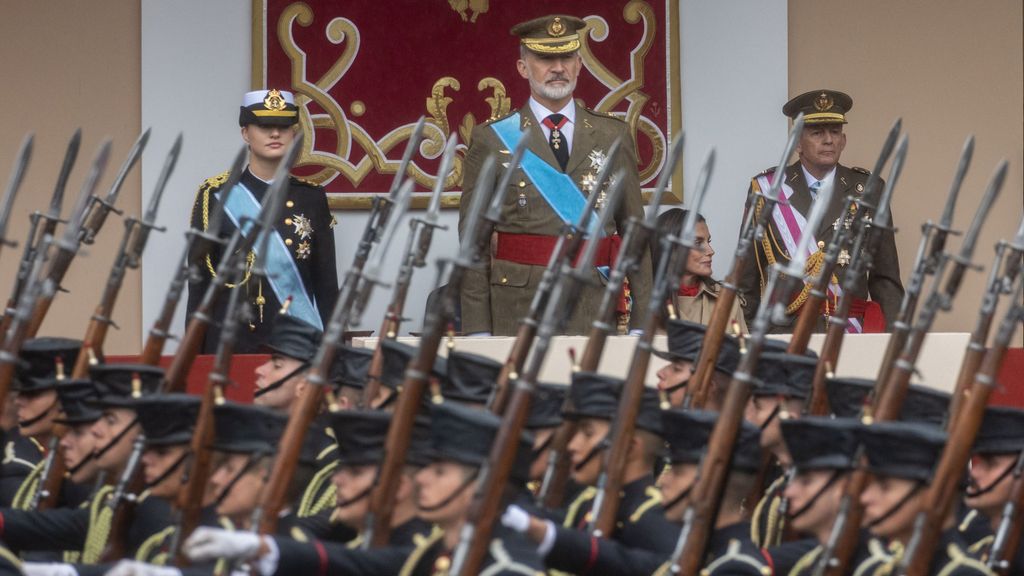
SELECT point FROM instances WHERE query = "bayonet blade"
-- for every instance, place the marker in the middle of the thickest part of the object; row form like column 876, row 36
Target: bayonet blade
column 611, row 204
column 373, row 270
column 98, row 214
column 57, row 200
column 467, row 248
column 13, row 184
column 995, row 185
column 161, row 183
column 442, row 175
column 780, row 169
column 71, row 235
column 273, row 202
column 882, row 211
column 946, row 222
column 703, row 181
column 213, row 224
column 890, row 143
column 674, row 155
column 410, row 149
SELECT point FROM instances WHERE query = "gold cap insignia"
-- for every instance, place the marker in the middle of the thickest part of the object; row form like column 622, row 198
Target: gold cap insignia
column 556, row 28
column 823, row 102
column 274, row 100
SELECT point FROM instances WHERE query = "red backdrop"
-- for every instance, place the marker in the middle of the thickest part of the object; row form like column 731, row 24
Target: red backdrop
column 364, row 72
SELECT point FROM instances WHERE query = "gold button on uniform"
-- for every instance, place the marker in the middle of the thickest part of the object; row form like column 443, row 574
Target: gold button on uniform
column 287, row 241
column 522, row 184
column 504, row 280
column 289, row 203
column 287, row 221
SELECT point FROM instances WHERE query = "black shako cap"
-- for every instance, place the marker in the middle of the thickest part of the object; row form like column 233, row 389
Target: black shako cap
column 167, row 419
column 546, row 406
column 36, row 368
column 596, row 396
column 360, row 435
column 351, row 366
column 470, row 377
column 465, row 435
column 782, row 374
column 246, row 429
column 116, row 383
column 293, row 338
column 78, row 402
column 687, row 433
column 847, row 397
column 1001, row 432
column 908, row 450
column 396, row 357
column 821, row 442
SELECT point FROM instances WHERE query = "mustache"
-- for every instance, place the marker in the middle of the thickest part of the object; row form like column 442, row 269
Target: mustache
column 556, row 78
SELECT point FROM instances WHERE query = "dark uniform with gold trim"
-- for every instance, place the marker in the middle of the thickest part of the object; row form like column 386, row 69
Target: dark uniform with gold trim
column 496, row 298
column 883, row 283
column 306, row 228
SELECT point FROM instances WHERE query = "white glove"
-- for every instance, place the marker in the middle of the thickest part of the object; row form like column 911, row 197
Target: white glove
column 48, row 569
column 133, row 568
column 636, row 332
column 516, row 519
column 479, row 334
column 214, row 543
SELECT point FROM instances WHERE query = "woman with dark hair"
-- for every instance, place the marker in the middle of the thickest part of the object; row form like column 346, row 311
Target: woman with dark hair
column 695, row 297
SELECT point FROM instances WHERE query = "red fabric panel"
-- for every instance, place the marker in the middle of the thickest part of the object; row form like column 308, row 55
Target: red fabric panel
column 1010, row 391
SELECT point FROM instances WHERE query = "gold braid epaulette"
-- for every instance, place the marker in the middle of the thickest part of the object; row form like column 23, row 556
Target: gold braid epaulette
column 208, row 185
column 811, row 268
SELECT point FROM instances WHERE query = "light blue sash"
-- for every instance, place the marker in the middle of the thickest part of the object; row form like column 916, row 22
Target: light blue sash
column 284, row 278
column 556, row 187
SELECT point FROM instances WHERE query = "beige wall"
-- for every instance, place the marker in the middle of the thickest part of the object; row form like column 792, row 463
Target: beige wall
column 949, row 68
column 65, row 65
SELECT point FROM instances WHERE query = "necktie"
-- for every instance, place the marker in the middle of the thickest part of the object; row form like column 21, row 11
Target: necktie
column 559, row 146
column 814, row 189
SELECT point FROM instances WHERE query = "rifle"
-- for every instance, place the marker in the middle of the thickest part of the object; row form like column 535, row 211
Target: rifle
column 754, row 225
column 634, row 244
column 929, row 256
column 1008, row 256
column 190, row 499
column 609, row 483
column 17, row 174
column 701, row 512
column 476, row 236
column 809, row 312
column 87, row 226
column 860, row 265
column 308, row 405
column 49, row 220
column 17, row 331
column 1008, row 535
column 945, row 484
column 421, row 234
column 889, row 394
column 567, row 247
column 201, row 241
column 467, row 559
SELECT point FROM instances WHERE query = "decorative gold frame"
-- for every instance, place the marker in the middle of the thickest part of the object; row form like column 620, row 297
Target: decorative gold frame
column 437, row 104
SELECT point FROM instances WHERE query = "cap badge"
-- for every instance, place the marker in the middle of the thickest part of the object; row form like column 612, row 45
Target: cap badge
column 274, row 100
column 823, row 102
column 556, row 28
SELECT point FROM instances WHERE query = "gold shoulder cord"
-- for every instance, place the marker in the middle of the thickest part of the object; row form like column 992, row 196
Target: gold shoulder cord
column 250, row 258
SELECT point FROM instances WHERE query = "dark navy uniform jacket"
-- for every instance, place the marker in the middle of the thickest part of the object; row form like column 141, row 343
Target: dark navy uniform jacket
column 307, row 228
column 640, row 521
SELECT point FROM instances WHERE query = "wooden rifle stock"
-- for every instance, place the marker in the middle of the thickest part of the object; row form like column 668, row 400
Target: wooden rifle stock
column 945, row 485
column 717, row 326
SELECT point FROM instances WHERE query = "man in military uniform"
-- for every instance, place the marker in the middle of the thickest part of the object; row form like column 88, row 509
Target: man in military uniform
column 820, row 146
column 997, row 450
column 301, row 252
column 567, row 145
column 640, row 519
column 684, row 343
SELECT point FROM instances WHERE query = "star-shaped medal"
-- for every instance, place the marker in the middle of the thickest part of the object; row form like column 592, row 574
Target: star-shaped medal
column 587, row 182
column 303, row 227
column 597, row 159
column 303, row 250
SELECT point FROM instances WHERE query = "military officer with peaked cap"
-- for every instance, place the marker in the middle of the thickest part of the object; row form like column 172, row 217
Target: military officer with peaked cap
column 567, row 145
column 819, row 149
column 301, row 253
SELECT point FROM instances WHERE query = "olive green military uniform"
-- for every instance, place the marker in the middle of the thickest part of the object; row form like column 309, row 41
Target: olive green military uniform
column 496, row 298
